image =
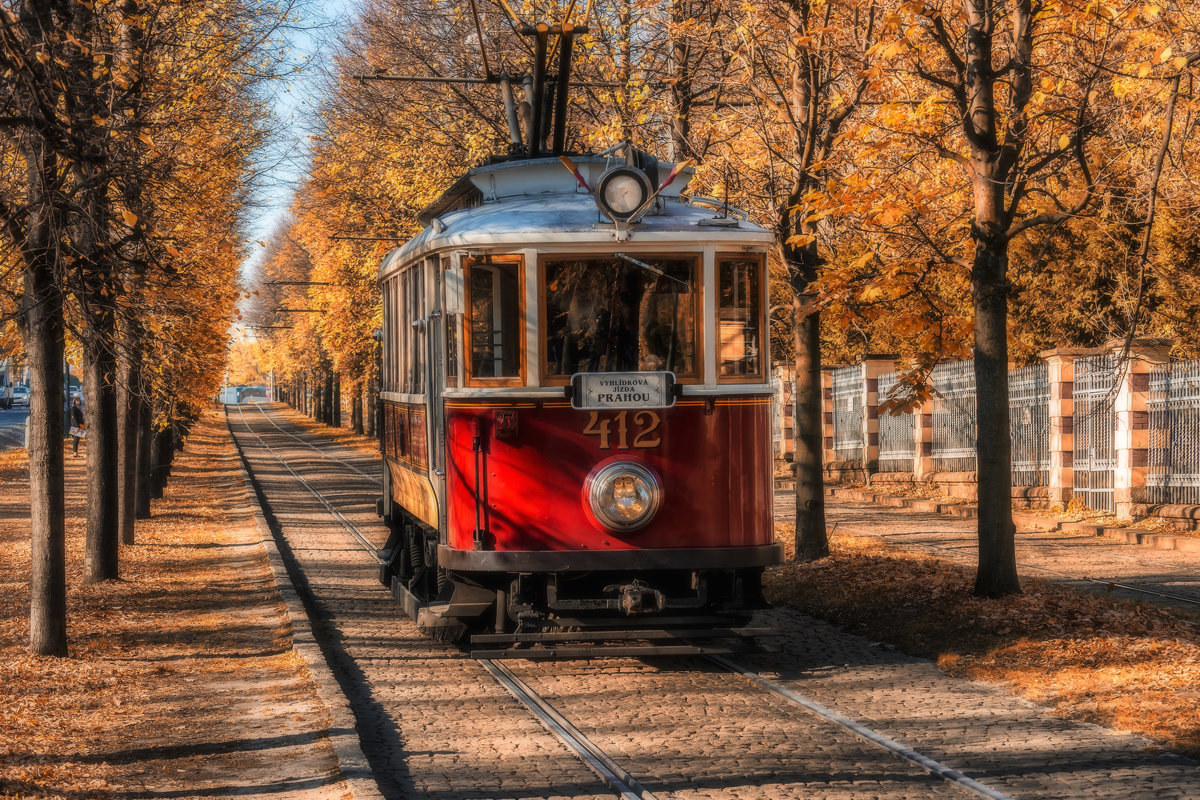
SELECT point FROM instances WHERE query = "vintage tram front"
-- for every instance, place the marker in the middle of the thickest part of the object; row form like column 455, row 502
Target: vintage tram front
column 576, row 406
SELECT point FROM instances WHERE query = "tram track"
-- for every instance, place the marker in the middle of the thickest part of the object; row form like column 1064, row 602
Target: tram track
column 321, row 450
column 597, row 760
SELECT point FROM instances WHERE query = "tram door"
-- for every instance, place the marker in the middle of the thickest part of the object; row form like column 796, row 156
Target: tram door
column 435, row 376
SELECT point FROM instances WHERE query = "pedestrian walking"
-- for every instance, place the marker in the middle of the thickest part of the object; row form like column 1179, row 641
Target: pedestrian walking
column 78, row 429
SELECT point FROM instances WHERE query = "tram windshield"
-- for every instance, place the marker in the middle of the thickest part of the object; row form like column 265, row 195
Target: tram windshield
column 620, row 314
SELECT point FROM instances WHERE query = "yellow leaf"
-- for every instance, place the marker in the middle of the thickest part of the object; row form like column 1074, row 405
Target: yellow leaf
column 42, row 57
column 1144, row 70
column 1164, row 55
column 871, row 293
column 130, row 217
column 1064, row 142
column 1180, row 62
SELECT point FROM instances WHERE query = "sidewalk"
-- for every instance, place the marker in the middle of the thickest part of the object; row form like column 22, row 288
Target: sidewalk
column 181, row 680
column 1068, row 556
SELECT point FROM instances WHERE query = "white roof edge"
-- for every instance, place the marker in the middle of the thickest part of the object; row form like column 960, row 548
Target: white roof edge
column 393, row 260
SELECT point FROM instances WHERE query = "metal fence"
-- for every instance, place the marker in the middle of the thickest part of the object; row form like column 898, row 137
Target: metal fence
column 954, row 427
column 1094, row 427
column 897, row 439
column 1173, row 468
column 1029, row 424
column 848, row 417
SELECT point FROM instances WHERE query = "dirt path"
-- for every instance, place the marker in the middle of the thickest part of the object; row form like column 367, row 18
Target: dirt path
column 181, row 680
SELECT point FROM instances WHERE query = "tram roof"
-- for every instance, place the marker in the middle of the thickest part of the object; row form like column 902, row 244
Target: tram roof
column 538, row 202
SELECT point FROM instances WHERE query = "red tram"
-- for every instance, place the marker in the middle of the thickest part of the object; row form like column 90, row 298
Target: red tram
column 576, row 405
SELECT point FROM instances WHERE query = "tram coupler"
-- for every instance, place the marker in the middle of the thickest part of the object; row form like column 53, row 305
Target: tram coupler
column 637, row 598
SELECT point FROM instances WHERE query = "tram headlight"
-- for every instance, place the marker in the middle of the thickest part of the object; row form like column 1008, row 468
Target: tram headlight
column 624, row 495
column 621, row 193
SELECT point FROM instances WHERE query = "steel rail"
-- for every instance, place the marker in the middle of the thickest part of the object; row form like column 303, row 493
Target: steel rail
column 347, row 524
column 595, row 758
column 935, row 768
column 320, row 450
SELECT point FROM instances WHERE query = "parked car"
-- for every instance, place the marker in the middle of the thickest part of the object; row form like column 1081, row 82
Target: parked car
column 21, row 396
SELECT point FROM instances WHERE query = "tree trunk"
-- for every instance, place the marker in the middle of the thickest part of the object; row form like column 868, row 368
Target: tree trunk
column 164, row 453
column 145, row 439
column 681, row 84
column 337, row 400
column 356, row 409
column 103, row 538
column 369, row 406
column 997, row 572
column 128, row 389
column 812, row 539
column 327, row 400
column 42, row 329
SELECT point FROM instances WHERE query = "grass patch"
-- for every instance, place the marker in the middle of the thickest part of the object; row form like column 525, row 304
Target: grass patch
column 1125, row 665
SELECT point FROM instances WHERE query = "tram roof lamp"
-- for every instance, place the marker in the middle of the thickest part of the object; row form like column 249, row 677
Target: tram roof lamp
column 622, row 193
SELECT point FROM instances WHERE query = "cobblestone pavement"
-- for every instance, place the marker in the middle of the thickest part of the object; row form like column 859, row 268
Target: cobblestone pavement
column 1065, row 557
column 433, row 724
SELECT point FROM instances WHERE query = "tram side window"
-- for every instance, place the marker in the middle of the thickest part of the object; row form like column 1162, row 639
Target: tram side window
column 739, row 318
column 414, row 307
column 391, row 324
column 617, row 315
column 494, row 306
column 452, row 321
column 396, row 335
column 387, row 337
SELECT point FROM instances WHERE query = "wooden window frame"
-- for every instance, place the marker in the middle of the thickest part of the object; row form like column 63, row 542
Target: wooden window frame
column 763, row 346
column 465, row 344
column 697, row 260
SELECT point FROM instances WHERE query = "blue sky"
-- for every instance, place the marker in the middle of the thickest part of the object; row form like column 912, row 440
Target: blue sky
column 294, row 100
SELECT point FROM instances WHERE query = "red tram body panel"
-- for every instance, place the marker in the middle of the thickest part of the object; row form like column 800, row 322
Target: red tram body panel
column 526, row 487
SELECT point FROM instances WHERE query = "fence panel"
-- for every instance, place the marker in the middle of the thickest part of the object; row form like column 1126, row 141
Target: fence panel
column 1173, row 474
column 848, row 418
column 1029, row 425
column 897, row 443
column 1094, row 428
column 954, row 428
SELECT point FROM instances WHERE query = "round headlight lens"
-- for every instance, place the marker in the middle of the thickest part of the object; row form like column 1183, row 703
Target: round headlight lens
column 624, row 495
column 624, row 194
column 621, row 193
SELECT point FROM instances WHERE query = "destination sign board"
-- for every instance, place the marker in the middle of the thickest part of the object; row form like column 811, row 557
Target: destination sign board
column 603, row 390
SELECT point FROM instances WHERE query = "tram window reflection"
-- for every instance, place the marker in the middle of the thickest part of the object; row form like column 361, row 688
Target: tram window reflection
column 494, row 302
column 616, row 315
column 739, row 318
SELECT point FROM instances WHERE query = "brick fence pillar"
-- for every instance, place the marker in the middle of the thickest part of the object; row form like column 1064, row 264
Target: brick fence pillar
column 873, row 366
column 923, row 435
column 1060, row 364
column 1132, row 440
column 828, row 454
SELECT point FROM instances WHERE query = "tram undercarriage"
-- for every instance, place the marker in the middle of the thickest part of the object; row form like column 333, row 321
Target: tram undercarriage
column 538, row 607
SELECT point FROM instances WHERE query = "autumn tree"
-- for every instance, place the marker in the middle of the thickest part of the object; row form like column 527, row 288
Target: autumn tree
column 85, row 197
column 1000, row 134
